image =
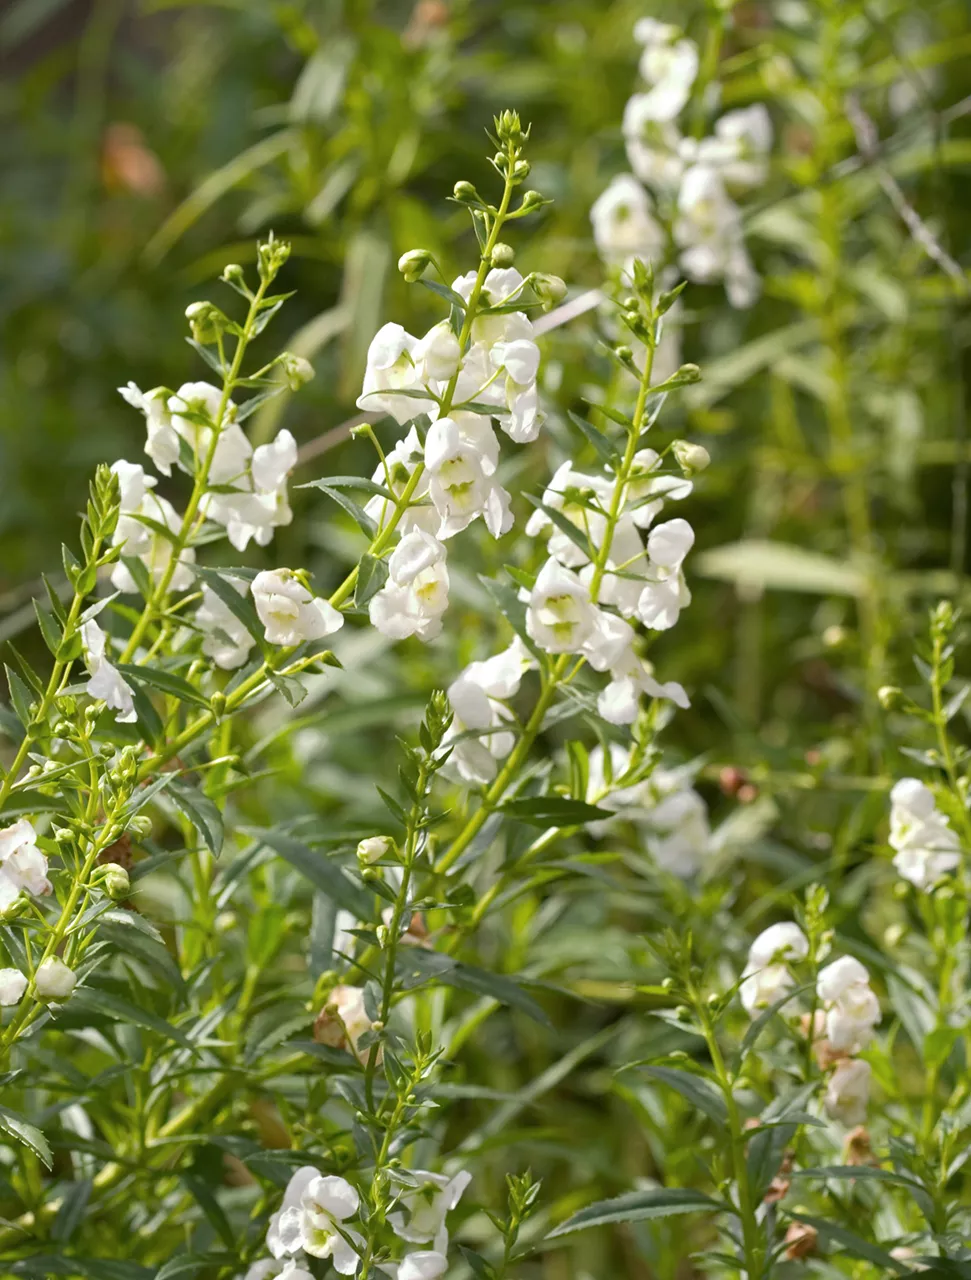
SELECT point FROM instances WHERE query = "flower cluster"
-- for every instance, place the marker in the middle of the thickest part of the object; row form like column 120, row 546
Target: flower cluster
column 682, row 188
column 925, row 846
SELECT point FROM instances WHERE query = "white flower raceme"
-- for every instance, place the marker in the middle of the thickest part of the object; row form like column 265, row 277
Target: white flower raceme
column 653, row 146
column 848, row 1092
column 459, row 483
column 54, row 980
column 224, row 638
column 138, row 539
column 390, row 370
column 926, row 847
column 739, row 147
column 477, row 735
column 669, row 64
column 312, row 1219
column 23, row 866
column 852, row 1009
column 106, row 683
column 415, row 595
column 624, row 226
column 289, row 613
column 766, row 977
column 420, row 1217
column 708, row 233
column 13, row 984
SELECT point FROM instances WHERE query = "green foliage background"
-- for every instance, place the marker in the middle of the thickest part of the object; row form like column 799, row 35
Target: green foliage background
column 342, row 126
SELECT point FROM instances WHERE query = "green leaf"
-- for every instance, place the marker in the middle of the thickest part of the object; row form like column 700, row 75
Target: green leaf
column 74, row 1201
column 850, row 1172
column 20, row 696
column 240, row 606
column 190, row 1264
column 639, row 1206
column 512, row 609
column 554, row 811
column 372, row 574
column 445, row 292
column 210, row 1206
column 320, row 870
column 605, row 449
column 433, row 966
column 353, row 509
column 201, row 812
column 576, row 536
column 849, row 1242
column 694, row 1089
column 350, row 482
column 777, row 566
column 15, row 1126
column 49, row 628
column 164, row 681
column 97, row 1000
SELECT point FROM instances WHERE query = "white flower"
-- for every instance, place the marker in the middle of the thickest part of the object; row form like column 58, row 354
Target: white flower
column 668, row 64
column 13, row 984
column 415, row 596
column 437, row 355
column 270, row 1269
column 421, row 1217
column 666, row 594
column 708, row 232
column 374, row 848
column 584, row 500
column 23, row 866
column 349, row 1003
column 162, row 444
column 926, row 847
column 852, row 1010
column 766, row 978
column 311, row 1218
column 390, row 369
column 672, row 815
column 224, row 639
column 624, row 226
column 140, row 541
column 478, row 699
column 680, row 835
column 779, row 942
column 54, row 980
column 260, row 504
column 195, row 410
column 459, row 485
column 652, row 144
column 560, row 616
column 423, row 1264
column 848, row 1092
column 630, row 677
column 106, row 683
column 289, row 613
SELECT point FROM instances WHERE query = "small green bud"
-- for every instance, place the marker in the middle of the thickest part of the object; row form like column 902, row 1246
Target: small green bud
column 532, row 200
column 668, row 984
column 63, row 835
column 687, row 374
column 414, row 264
column 116, row 881
column 233, row 273
column 549, row 289
column 623, row 353
column 206, row 321
column 889, row 696
column 465, row 193
column 503, row 255
column 683, row 1013
column 140, row 826
column 296, row 370
column 217, row 704
column 271, row 255
column 692, row 458
column 509, row 128
column 520, row 171
column 62, row 729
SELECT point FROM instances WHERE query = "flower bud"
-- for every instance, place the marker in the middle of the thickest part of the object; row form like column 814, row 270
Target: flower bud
column 62, row 729
column 414, row 264
column 521, row 170
column 532, row 200
column 54, row 980
column 271, row 255
column 296, row 370
column 692, row 458
column 503, row 255
column 140, row 826
column 889, row 695
column 509, row 128
column 549, row 289
column 233, row 273
column 217, row 704
column 688, row 373
column 116, row 881
column 624, row 353
column 206, row 321
column 465, row 193
column 374, row 848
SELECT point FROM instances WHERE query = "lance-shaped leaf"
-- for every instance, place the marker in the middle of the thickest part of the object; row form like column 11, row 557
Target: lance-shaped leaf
column 639, row 1206
column 320, row 870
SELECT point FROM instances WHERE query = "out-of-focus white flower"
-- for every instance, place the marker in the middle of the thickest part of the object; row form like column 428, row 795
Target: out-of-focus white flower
column 349, row 1003
column 739, row 147
column 708, row 233
column 315, row 1209
column 289, row 613
column 653, row 146
column 459, row 485
column 224, row 638
column 766, row 977
column 477, row 699
column 630, row 677
column 559, row 616
column 415, row 596
column 926, row 847
column 624, row 226
column 390, row 370
column 23, row 866
column 848, row 1092
column 420, row 1217
column 669, row 64
column 13, row 984
column 54, row 980
column 422, row 1264
column 852, row 1010
column 106, row 683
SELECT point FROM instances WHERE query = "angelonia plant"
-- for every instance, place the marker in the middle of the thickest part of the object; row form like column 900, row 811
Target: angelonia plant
column 269, row 1081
